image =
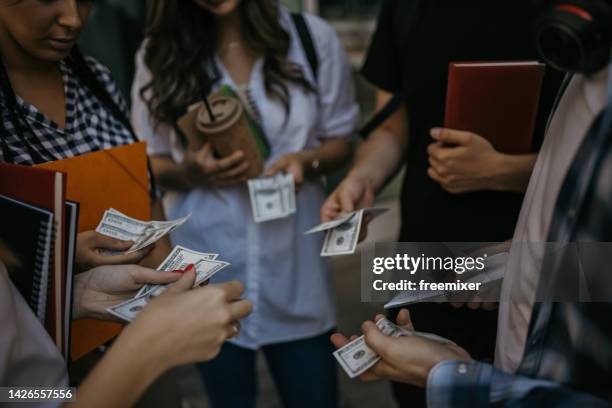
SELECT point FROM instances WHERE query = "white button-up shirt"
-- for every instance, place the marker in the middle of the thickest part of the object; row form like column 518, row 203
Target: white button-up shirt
column 285, row 277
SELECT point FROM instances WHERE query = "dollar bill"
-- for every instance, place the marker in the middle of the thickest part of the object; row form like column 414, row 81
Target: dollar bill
column 130, row 309
column 342, row 234
column 144, row 233
column 372, row 212
column 343, row 239
column 179, row 259
column 356, row 357
column 272, row 198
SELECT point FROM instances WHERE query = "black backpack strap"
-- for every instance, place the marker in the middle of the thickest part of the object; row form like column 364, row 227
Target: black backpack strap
column 381, row 116
column 307, row 42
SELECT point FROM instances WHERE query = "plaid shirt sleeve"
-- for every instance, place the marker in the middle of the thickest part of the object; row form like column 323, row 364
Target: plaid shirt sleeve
column 461, row 384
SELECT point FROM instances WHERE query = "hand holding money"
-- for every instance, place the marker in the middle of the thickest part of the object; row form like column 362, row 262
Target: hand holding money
column 104, row 286
column 180, row 259
column 343, row 233
column 292, row 163
column 184, row 326
column 92, row 245
column 394, row 352
column 117, row 225
column 272, row 198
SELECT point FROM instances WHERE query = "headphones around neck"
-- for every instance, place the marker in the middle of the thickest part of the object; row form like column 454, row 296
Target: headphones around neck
column 576, row 35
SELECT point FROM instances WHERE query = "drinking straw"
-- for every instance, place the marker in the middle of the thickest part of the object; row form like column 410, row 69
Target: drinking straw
column 209, row 109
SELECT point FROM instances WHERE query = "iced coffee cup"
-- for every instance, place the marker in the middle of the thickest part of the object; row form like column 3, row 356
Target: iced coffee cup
column 229, row 131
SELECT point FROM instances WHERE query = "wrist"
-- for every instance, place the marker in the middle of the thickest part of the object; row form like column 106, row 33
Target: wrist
column 151, row 361
column 79, row 310
column 508, row 170
column 309, row 161
column 362, row 177
column 183, row 174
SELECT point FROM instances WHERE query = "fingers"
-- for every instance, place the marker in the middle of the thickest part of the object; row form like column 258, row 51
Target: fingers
column 404, row 320
column 240, row 309
column 144, row 276
column 347, row 204
column 233, row 330
column 331, row 208
column 339, row 340
column 103, row 242
column 450, row 136
column 185, row 283
column 298, row 174
column 238, row 172
column 368, row 198
column 233, row 290
column 435, row 176
column 275, row 168
column 126, row 259
column 375, row 339
column 212, row 166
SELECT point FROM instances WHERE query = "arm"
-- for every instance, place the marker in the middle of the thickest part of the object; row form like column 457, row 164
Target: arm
column 376, row 161
column 454, row 383
column 129, row 368
column 199, row 168
column 464, row 161
column 452, row 378
column 329, row 156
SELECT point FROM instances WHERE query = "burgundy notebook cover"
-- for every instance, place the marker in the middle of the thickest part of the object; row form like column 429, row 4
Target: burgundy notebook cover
column 497, row 100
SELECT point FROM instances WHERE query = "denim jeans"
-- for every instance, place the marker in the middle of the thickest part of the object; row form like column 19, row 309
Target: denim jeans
column 304, row 372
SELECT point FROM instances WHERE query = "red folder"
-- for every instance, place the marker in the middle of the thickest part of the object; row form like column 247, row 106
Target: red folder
column 45, row 189
column 497, row 100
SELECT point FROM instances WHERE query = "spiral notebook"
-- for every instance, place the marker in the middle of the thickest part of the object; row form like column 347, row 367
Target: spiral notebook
column 27, row 231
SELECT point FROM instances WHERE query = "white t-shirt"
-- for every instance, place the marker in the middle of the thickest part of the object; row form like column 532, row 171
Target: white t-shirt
column 28, row 356
column 583, row 100
column 288, row 282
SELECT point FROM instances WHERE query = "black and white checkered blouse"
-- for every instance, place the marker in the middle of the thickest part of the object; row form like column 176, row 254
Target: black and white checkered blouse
column 90, row 126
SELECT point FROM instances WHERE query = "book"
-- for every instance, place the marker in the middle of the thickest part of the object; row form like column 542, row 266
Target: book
column 27, row 230
column 112, row 178
column 45, row 189
column 72, row 221
column 496, row 100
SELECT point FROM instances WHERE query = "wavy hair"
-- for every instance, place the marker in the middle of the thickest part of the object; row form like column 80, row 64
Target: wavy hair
column 182, row 43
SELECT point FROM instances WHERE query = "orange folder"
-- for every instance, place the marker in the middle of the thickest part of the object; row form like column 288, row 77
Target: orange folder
column 116, row 178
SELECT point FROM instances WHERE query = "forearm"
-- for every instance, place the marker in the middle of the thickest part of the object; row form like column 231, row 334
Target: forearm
column 454, row 383
column 513, row 172
column 122, row 376
column 170, row 175
column 331, row 155
column 379, row 158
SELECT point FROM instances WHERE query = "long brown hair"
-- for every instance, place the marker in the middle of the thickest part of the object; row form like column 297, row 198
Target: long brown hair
column 181, row 45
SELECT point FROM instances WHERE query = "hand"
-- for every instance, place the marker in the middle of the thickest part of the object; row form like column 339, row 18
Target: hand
column 353, row 193
column 202, row 168
column 339, row 340
column 292, row 163
column 90, row 243
column 184, row 326
column 106, row 286
column 406, row 359
column 462, row 161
